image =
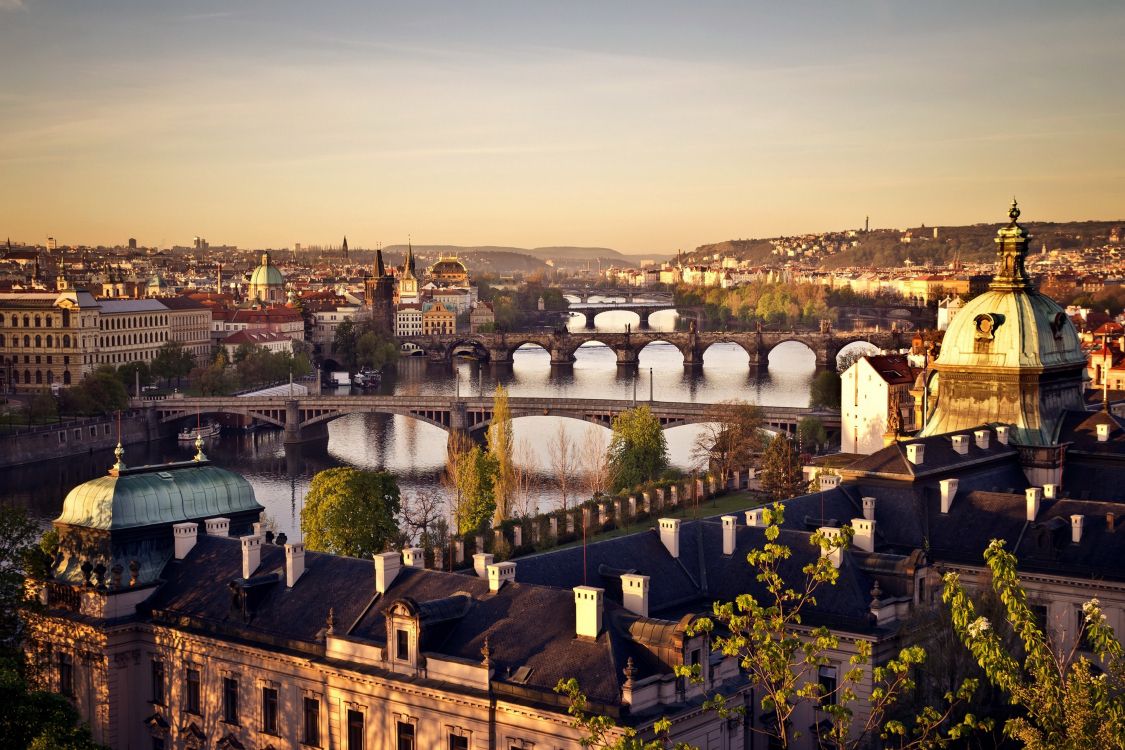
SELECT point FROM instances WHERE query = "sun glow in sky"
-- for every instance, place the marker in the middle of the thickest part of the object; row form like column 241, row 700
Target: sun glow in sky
column 643, row 126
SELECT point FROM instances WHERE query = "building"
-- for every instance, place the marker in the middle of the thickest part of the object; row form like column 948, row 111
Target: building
column 379, row 295
column 875, row 402
column 437, row 320
column 947, row 310
column 448, row 272
column 47, row 338
column 226, row 320
column 482, row 316
column 189, row 325
column 406, row 289
column 408, row 320
column 268, row 340
column 267, row 284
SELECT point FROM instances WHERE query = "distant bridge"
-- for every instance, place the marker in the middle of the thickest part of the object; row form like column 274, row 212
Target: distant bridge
column 470, row 415
column 641, row 309
column 498, row 348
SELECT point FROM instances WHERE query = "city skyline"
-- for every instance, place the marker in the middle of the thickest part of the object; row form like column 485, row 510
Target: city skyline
column 645, row 128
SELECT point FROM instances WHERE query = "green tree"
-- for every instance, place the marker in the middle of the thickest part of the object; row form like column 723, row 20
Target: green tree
column 350, row 512
column 172, row 361
column 811, row 432
column 344, row 344
column 99, row 393
column 475, row 475
column 42, row 407
column 500, row 446
column 731, row 437
column 375, row 350
column 637, row 452
column 1065, row 701
column 130, row 373
column 825, row 390
column 781, row 476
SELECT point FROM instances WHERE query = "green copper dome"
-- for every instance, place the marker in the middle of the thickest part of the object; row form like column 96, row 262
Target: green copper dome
column 150, row 495
column 267, row 274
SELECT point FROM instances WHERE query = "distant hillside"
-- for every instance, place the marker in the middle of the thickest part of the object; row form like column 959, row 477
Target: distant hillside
column 755, row 251
column 500, row 259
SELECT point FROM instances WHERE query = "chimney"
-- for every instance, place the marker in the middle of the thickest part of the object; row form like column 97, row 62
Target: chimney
column 948, row 492
column 251, row 554
column 1103, row 433
column 1076, row 523
column 982, row 439
column 634, row 593
column 836, row 556
column 294, row 563
column 1050, row 491
column 258, row 531
column 960, row 444
column 828, row 481
column 387, row 565
column 730, row 530
column 481, row 561
column 1002, row 434
column 588, row 607
column 1110, row 522
column 413, row 557
column 1034, row 498
column 217, row 526
column 499, row 573
column 915, row 453
column 869, row 508
column 670, row 535
column 184, row 534
column 864, row 537
column 756, row 517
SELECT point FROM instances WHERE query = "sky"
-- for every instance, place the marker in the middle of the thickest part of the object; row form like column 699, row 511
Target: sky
column 642, row 126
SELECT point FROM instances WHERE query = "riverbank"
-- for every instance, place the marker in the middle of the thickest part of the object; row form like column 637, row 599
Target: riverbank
column 75, row 437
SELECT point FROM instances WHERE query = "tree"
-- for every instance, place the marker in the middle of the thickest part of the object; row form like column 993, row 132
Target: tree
column 500, row 445
column 99, row 393
column 781, row 476
column 172, row 361
column 344, row 344
column 1064, row 700
column 129, row 374
column 592, row 458
column 811, row 432
column 18, row 534
column 350, row 512
column 825, row 390
column 423, row 519
column 475, row 477
column 563, row 460
column 637, row 452
column 523, row 504
column 731, row 437
column 375, row 351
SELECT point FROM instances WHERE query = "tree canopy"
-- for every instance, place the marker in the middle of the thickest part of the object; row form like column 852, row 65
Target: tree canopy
column 781, row 476
column 500, row 447
column 825, row 390
column 732, row 437
column 350, row 511
column 638, row 452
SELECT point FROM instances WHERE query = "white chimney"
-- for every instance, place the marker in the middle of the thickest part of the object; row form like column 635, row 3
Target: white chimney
column 670, row 535
column 294, row 562
column 251, row 554
column 835, row 556
column 1076, row 523
column 982, row 439
column 869, row 508
column 1103, row 433
column 387, row 565
column 258, row 530
column 185, row 535
column 217, row 526
column 756, row 517
column 634, row 593
column 864, row 537
column 1050, row 491
column 915, row 453
column 413, row 557
column 500, row 573
column 730, row 530
column 588, row 607
column 948, row 492
column 1002, row 434
column 960, row 444
column 1034, row 497
column 481, row 561
column 828, row 481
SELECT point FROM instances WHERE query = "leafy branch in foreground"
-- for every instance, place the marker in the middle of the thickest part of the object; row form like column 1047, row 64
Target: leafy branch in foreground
column 600, row 731
column 1065, row 702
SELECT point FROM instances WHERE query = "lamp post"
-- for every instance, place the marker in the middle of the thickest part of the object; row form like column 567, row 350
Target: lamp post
column 650, row 385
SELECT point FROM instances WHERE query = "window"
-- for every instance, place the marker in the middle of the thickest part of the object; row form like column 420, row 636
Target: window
column 826, row 676
column 458, row 742
column 191, row 692
column 355, row 729
column 157, row 679
column 66, row 675
column 230, row 700
column 402, row 639
column 312, row 722
column 405, row 736
column 269, row 710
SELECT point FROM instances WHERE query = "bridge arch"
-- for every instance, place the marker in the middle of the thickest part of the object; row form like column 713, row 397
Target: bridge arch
column 660, row 343
column 729, row 343
column 797, row 349
column 853, row 350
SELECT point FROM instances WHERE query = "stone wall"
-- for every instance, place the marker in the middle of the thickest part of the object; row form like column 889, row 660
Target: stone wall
column 74, row 437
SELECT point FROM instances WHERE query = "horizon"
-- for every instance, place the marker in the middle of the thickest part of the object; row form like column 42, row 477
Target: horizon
column 646, row 128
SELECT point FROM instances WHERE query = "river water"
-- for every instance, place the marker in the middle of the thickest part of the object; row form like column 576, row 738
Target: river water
column 415, row 451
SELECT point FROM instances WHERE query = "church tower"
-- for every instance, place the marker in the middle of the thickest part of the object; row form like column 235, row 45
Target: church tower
column 379, row 293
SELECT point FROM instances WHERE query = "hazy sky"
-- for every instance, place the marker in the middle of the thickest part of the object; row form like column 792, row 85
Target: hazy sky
column 643, row 126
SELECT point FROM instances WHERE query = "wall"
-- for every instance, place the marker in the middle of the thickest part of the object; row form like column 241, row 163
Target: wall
column 72, row 438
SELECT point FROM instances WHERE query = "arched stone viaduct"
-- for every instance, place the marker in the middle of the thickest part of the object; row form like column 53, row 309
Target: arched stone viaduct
column 499, row 348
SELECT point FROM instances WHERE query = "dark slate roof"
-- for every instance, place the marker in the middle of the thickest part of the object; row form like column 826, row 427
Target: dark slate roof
column 1080, row 429
column 939, row 456
column 1047, row 545
column 893, row 368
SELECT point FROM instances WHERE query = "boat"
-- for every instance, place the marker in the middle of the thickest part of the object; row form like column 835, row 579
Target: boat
column 211, row 429
column 366, row 379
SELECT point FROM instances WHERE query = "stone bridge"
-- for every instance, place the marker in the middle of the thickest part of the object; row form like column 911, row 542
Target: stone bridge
column 641, row 309
column 498, row 348
column 304, row 418
column 903, row 316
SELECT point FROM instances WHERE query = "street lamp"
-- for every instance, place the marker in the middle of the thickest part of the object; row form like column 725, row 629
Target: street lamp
column 650, row 385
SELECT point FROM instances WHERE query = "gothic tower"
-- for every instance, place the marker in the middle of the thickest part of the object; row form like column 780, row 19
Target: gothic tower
column 379, row 294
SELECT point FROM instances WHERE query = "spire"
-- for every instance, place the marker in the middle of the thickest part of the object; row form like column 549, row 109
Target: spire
column 409, row 264
column 119, row 453
column 1011, row 275
column 380, row 268
column 345, row 246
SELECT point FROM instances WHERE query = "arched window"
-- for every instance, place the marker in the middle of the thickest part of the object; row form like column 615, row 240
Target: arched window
column 66, row 318
column 38, row 342
column 38, row 377
column 26, row 341
column 50, row 341
column 38, row 321
column 66, row 378
column 50, row 377
column 27, row 321
column 66, row 341
column 50, row 321
column 1, row 339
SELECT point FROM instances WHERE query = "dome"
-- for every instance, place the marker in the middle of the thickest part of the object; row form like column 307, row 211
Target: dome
column 266, row 274
column 152, row 495
column 449, row 268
